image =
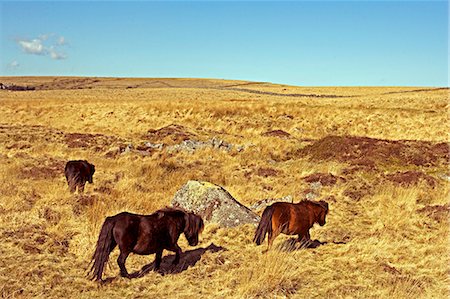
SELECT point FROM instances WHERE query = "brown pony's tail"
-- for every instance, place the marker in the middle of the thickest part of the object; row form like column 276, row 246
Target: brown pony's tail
column 265, row 226
column 105, row 244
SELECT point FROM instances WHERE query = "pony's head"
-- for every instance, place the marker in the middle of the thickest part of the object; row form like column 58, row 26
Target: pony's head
column 194, row 226
column 323, row 211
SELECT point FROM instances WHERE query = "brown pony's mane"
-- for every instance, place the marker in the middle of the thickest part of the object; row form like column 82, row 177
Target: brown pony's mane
column 323, row 204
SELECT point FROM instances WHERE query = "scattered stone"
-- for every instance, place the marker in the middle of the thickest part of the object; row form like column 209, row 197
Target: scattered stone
column 13, row 87
column 445, row 177
column 214, row 204
column 260, row 205
column 316, row 186
column 128, row 148
column 158, row 146
column 193, row 145
column 311, row 194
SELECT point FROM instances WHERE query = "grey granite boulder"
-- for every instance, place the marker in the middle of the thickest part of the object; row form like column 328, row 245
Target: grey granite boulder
column 214, row 204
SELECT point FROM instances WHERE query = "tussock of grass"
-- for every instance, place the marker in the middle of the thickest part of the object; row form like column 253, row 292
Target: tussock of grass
column 383, row 239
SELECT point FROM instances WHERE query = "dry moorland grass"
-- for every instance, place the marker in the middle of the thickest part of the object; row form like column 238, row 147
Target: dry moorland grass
column 381, row 153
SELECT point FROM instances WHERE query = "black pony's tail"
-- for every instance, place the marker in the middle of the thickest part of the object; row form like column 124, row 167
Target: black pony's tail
column 265, row 226
column 105, row 244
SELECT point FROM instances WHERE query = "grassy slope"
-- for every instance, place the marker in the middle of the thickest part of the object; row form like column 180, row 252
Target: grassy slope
column 390, row 247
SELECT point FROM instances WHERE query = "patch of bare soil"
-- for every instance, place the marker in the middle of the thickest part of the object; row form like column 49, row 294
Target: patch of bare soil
column 370, row 152
column 325, row 179
column 276, row 133
column 170, row 135
column 436, row 212
column 410, row 178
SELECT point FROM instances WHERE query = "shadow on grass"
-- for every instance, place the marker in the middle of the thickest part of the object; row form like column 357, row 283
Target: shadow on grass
column 293, row 244
column 187, row 259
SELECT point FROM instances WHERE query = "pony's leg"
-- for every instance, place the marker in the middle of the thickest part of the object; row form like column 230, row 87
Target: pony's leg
column 177, row 254
column 121, row 261
column 158, row 259
column 81, row 187
column 72, row 186
column 272, row 236
column 269, row 240
column 304, row 237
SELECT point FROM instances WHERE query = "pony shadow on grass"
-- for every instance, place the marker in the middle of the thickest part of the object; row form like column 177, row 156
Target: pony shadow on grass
column 187, row 259
column 293, row 244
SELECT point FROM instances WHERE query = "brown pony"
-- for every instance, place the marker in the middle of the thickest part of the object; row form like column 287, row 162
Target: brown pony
column 143, row 235
column 290, row 219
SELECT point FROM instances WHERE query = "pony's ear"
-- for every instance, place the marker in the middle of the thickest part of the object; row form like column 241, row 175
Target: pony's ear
column 201, row 224
column 324, row 204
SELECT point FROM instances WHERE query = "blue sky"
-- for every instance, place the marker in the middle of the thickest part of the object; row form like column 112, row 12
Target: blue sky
column 314, row 43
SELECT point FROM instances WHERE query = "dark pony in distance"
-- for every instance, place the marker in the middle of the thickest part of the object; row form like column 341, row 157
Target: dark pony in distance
column 144, row 235
column 77, row 173
column 290, row 219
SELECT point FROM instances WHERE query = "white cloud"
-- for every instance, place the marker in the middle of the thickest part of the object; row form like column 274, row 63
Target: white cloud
column 13, row 64
column 45, row 36
column 32, row 47
column 44, row 45
column 54, row 54
column 61, row 41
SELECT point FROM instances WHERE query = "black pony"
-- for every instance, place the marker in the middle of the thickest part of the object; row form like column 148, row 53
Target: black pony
column 78, row 172
column 144, row 235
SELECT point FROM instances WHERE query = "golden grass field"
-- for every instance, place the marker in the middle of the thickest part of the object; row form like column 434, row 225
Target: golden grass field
column 387, row 229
